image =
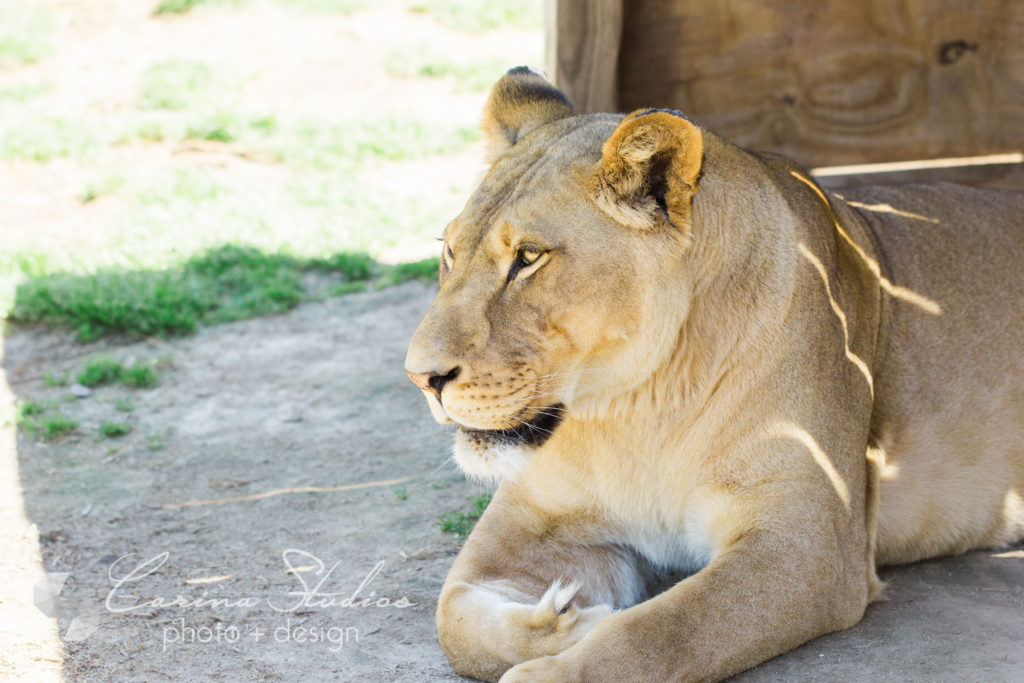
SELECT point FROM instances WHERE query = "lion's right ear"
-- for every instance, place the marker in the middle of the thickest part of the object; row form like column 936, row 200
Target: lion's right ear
column 649, row 167
column 521, row 101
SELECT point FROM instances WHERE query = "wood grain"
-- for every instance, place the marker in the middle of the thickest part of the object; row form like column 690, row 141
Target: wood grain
column 583, row 50
column 826, row 82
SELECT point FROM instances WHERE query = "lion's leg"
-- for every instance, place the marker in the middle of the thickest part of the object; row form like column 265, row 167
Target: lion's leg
column 510, row 598
column 761, row 597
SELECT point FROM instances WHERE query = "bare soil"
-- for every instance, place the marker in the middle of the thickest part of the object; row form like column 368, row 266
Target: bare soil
column 209, row 489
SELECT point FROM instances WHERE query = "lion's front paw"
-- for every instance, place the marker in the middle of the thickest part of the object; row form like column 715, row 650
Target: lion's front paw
column 540, row 670
column 557, row 616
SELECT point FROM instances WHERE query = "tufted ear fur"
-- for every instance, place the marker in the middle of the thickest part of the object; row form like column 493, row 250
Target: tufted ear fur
column 649, row 169
column 521, row 101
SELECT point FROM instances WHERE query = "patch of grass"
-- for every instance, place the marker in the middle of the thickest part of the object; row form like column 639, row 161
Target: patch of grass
column 148, row 130
column 242, row 282
column 178, row 6
column 326, row 6
column 40, row 136
column 25, row 32
column 156, row 442
column 352, row 266
column 100, row 371
column 421, row 62
column 140, row 376
column 324, row 145
column 111, row 430
column 61, row 380
column 103, row 370
column 48, row 426
column 181, row 184
column 124, row 405
column 138, row 303
column 176, row 84
column 227, row 283
column 401, row 493
column 482, row 15
column 461, row 523
column 106, row 185
column 424, row 271
column 29, row 408
column 19, row 94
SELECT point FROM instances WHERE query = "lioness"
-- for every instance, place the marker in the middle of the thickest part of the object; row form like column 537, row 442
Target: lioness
column 683, row 359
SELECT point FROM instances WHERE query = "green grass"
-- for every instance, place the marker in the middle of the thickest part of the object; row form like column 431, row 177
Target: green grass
column 124, row 405
column 326, row 6
column 100, row 371
column 461, row 523
column 40, row 136
column 25, row 32
column 61, row 380
column 319, row 144
column 425, row 271
column 228, row 283
column 474, row 15
column 472, row 74
column 178, row 6
column 177, row 83
column 22, row 93
column 103, row 186
column 336, row 196
column 110, row 430
column 140, row 376
column 401, row 493
column 29, row 408
column 46, row 426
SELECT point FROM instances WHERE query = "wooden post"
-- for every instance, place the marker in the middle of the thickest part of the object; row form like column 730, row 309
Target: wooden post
column 582, row 46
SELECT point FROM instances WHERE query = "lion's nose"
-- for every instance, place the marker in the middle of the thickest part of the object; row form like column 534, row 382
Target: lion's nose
column 433, row 381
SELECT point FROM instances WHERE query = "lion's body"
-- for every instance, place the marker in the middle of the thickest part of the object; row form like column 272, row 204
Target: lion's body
column 735, row 376
column 949, row 409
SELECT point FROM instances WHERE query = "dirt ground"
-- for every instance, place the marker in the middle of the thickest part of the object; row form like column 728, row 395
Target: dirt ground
column 213, row 508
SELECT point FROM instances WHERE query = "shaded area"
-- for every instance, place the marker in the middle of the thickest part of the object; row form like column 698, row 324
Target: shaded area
column 951, row 619
column 294, row 425
column 318, row 462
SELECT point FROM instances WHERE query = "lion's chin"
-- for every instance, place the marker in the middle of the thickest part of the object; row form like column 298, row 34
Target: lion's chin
column 494, row 455
column 487, row 460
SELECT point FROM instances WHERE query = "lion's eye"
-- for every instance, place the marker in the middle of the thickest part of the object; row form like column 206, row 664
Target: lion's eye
column 528, row 256
column 525, row 258
column 449, row 257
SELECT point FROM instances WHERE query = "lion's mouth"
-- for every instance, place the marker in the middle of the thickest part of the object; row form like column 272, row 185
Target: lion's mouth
column 533, row 432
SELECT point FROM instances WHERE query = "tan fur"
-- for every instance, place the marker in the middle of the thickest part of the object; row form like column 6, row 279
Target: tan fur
column 768, row 389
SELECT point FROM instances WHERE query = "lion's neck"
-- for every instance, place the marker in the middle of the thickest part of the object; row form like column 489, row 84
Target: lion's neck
column 742, row 295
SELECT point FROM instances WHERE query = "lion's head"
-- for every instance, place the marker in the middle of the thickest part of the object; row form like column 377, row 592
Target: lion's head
column 562, row 281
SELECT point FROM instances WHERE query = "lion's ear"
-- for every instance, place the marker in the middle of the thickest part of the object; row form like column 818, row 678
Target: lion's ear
column 649, row 167
column 521, row 101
